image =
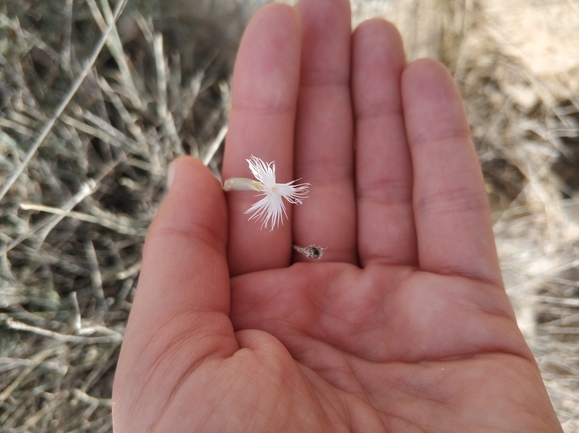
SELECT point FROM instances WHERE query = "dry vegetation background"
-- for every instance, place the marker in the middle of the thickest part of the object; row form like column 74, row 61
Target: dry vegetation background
column 93, row 108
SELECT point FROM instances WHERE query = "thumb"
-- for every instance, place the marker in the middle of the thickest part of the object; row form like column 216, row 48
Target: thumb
column 184, row 258
column 180, row 315
column 184, row 281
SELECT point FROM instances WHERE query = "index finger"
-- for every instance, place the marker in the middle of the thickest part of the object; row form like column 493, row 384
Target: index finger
column 264, row 95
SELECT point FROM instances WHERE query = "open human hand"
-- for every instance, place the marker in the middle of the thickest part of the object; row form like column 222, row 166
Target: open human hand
column 402, row 326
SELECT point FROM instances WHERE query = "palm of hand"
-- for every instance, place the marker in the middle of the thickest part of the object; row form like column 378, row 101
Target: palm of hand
column 403, row 326
column 341, row 354
column 381, row 349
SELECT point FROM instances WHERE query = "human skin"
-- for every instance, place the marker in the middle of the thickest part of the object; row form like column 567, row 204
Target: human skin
column 402, row 326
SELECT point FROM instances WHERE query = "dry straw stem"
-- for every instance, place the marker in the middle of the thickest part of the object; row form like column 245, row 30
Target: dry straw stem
column 65, row 101
column 84, row 183
column 113, row 222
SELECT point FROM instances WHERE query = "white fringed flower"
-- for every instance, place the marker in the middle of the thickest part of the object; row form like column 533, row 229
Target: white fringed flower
column 270, row 209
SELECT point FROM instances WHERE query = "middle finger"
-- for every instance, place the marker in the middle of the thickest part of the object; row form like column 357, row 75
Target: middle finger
column 324, row 150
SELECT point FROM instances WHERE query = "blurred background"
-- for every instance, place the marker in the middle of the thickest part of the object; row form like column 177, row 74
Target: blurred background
column 97, row 97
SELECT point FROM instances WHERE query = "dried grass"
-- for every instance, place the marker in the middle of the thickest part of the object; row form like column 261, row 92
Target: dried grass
column 91, row 114
column 84, row 167
column 525, row 122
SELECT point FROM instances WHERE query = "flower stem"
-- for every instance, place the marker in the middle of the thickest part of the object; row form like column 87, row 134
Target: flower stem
column 241, row 184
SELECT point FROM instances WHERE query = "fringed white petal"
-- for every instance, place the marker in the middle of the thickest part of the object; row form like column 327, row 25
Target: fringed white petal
column 270, row 209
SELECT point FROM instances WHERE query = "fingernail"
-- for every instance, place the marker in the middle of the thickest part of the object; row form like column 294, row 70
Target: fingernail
column 170, row 175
